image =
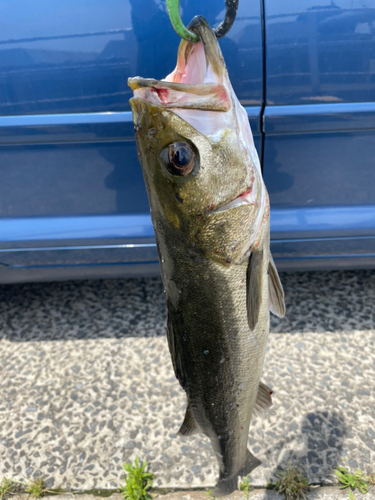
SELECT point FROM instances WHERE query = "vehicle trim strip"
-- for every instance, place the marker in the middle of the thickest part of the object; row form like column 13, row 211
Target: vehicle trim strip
column 81, row 127
column 332, row 117
column 99, row 230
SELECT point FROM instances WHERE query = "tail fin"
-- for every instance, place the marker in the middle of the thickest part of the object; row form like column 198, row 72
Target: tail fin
column 227, row 485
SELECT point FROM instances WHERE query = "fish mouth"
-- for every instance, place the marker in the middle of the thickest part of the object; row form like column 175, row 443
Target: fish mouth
column 199, row 80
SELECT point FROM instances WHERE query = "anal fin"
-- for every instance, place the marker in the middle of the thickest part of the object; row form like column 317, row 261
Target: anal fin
column 250, row 464
column 189, row 425
column 263, row 400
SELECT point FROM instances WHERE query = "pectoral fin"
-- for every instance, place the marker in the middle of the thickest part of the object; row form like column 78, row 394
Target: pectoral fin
column 254, row 287
column 173, row 348
column 276, row 292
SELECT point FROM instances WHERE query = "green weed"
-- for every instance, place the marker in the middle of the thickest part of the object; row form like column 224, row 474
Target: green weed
column 245, row 485
column 137, row 481
column 292, row 483
column 6, row 486
column 36, row 488
column 351, row 481
column 9, row 487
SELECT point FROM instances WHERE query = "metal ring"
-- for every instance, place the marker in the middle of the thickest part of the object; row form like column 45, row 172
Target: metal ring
column 173, row 9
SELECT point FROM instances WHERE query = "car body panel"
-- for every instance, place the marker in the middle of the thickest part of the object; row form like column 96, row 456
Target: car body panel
column 84, row 219
column 319, row 132
column 76, row 56
column 72, row 201
column 72, row 198
column 319, row 51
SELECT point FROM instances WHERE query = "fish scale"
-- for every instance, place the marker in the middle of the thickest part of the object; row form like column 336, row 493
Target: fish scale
column 210, row 213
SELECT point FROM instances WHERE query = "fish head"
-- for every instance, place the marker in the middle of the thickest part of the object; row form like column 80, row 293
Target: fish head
column 197, row 153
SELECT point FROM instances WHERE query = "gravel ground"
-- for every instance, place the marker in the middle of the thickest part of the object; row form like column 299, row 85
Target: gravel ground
column 87, row 383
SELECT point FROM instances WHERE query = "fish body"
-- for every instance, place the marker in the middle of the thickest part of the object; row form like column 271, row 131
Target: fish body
column 210, row 213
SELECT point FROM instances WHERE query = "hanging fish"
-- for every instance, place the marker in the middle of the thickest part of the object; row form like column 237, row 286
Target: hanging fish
column 210, row 213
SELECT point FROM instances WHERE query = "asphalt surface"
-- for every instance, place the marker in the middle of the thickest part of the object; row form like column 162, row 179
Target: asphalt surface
column 87, row 384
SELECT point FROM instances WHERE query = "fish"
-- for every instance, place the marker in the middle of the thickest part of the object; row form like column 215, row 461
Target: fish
column 210, row 213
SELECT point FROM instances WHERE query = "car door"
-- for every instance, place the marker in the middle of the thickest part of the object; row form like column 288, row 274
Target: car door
column 72, row 196
column 319, row 132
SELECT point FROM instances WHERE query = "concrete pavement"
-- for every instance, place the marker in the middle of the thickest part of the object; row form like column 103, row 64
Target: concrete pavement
column 87, row 384
column 320, row 493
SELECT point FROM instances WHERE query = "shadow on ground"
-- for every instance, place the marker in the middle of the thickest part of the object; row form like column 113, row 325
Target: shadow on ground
column 323, row 434
column 316, row 302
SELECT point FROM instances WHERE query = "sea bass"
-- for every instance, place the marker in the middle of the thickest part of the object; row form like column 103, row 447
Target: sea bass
column 210, row 213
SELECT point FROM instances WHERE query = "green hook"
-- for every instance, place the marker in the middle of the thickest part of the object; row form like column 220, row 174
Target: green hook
column 173, row 8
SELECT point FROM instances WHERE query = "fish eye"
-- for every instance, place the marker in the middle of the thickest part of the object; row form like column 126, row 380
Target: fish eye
column 181, row 159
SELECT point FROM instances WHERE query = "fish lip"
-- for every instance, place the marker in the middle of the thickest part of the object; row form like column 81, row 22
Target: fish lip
column 233, row 203
column 147, row 105
column 170, row 95
column 187, row 87
column 136, row 99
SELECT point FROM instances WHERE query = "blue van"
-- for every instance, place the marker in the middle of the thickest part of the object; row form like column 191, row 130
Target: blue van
column 72, row 198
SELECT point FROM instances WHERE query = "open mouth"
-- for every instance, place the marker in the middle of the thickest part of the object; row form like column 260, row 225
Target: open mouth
column 192, row 85
column 198, row 89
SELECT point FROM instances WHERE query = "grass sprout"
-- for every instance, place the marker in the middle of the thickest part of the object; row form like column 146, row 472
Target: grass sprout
column 351, row 481
column 9, row 487
column 245, row 485
column 137, row 481
column 292, row 483
column 6, row 487
column 36, row 488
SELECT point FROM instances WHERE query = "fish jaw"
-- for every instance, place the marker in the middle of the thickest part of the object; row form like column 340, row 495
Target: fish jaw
column 198, row 90
column 206, row 96
column 198, row 81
